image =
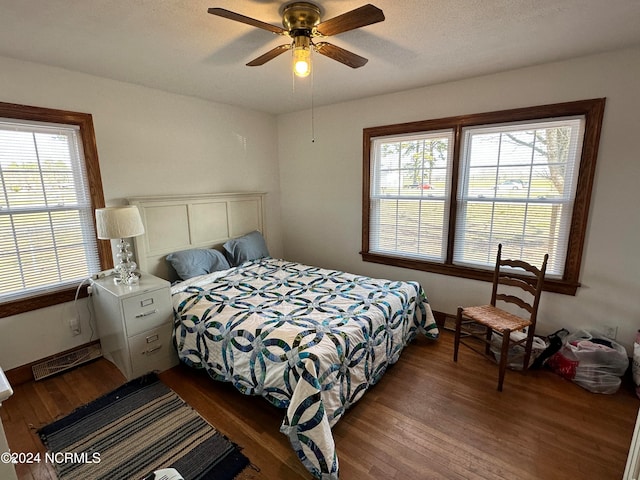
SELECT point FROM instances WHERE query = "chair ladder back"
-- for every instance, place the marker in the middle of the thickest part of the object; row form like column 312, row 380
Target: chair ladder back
column 521, row 264
column 528, row 285
column 516, row 301
column 531, row 284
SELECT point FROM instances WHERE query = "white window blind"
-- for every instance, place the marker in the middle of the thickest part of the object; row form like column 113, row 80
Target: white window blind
column 47, row 237
column 517, row 187
column 410, row 190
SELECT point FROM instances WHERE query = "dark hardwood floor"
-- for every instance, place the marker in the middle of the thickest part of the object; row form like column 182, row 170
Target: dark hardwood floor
column 428, row 418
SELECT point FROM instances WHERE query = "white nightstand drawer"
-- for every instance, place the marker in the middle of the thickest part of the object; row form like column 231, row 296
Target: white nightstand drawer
column 146, row 311
column 152, row 350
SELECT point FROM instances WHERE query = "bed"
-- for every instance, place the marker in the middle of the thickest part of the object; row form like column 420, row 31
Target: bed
column 309, row 340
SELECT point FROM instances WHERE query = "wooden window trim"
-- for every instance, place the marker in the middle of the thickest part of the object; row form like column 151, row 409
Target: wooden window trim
column 592, row 109
column 84, row 121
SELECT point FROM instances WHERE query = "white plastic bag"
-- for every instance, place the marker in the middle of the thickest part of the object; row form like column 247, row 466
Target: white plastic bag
column 515, row 356
column 591, row 360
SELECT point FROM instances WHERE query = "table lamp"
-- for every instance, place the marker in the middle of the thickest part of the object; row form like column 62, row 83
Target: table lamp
column 121, row 223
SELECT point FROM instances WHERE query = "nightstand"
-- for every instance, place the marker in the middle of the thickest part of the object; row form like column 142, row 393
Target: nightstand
column 135, row 324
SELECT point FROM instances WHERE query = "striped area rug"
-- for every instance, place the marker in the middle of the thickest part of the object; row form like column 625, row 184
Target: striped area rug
column 140, row 427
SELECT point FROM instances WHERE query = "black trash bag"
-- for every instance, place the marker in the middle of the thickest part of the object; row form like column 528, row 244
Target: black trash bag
column 555, row 341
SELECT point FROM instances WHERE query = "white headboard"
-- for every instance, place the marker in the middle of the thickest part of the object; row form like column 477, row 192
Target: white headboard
column 181, row 222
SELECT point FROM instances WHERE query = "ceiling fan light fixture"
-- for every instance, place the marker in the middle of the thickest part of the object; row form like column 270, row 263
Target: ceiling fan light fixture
column 301, row 22
column 302, row 56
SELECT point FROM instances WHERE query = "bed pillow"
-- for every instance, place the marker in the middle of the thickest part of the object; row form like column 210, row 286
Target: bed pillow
column 194, row 262
column 248, row 247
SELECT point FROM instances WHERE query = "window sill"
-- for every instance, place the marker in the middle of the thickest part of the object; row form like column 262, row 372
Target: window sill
column 28, row 304
column 550, row 285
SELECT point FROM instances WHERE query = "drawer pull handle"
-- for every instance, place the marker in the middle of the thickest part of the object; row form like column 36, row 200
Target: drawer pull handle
column 146, row 314
column 152, row 350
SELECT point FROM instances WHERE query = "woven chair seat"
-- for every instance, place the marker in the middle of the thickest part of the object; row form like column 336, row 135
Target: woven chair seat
column 495, row 318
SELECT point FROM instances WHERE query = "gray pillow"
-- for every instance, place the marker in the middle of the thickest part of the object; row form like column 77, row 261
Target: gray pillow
column 194, row 262
column 248, row 247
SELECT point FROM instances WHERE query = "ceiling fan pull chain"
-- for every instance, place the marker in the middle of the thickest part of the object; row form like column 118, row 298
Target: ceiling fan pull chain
column 293, row 82
column 313, row 130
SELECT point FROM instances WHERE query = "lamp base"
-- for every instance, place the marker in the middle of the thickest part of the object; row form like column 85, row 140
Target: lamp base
column 125, row 270
column 125, row 278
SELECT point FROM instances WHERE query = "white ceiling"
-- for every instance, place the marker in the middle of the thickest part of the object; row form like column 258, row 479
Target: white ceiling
column 175, row 45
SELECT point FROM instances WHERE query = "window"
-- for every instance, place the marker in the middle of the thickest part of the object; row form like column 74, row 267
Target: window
column 410, row 195
column 50, row 186
column 439, row 195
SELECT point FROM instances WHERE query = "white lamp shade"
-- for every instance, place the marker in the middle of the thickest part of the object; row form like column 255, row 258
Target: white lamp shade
column 118, row 222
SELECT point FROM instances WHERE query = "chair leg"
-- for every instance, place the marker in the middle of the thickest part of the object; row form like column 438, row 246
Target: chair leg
column 456, row 343
column 527, row 349
column 504, row 353
column 487, row 346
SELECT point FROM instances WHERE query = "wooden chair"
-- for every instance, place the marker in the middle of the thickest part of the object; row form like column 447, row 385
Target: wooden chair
column 481, row 322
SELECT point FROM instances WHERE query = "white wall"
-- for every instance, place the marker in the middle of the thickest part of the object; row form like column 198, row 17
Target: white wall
column 149, row 143
column 321, row 184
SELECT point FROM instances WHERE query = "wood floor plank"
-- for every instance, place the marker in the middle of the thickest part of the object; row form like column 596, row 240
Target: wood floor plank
column 428, row 418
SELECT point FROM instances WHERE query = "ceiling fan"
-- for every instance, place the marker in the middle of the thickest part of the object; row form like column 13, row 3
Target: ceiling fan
column 301, row 21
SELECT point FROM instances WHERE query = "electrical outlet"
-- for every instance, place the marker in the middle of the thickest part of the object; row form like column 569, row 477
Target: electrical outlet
column 610, row 331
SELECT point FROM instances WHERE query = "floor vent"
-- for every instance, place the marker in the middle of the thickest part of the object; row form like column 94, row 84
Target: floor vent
column 66, row 361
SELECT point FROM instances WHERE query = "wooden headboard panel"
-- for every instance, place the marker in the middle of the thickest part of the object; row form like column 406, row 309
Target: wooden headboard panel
column 181, row 222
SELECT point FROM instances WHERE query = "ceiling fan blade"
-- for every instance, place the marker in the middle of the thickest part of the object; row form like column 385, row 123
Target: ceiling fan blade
column 270, row 55
column 360, row 17
column 340, row 54
column 221, row 12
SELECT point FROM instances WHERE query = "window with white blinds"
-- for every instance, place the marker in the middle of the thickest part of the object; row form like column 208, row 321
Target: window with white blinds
column 440, row 195
column 410, row 188
column 517, row 187
column 47, row 235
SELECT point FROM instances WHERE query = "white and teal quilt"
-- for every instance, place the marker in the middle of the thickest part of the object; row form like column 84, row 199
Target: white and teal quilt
column 309, row 340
